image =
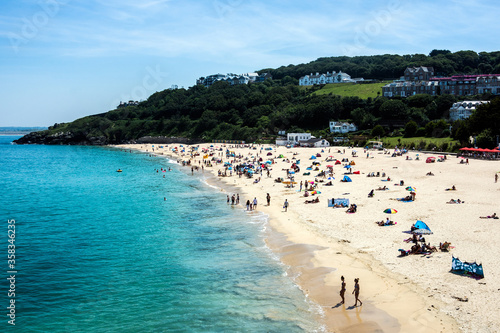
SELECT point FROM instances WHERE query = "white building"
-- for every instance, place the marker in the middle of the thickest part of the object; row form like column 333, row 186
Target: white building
column 340, row 127
column 233, row 79
column 295, row 138
column 333, row 77
column 281, row 141
column 463, row 110
column 315, row 142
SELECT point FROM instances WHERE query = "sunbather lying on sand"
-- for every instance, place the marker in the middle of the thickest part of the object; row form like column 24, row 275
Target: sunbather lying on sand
column 386, row 222
column 382, row 188
column 407, row 198
column 428, row 247
column 429, row 174
column 453, row 201
column 453, row 188
column 494, row 216
column 312, row 201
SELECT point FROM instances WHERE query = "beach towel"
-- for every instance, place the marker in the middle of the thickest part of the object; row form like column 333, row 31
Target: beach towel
column 466, row 268
column 338, row 201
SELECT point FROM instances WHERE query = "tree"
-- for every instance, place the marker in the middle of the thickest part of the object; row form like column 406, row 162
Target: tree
column 378, row 131
column 438, row 52
column 485, row 139
column 486, row 116
column 411, row 129
column 394, row 109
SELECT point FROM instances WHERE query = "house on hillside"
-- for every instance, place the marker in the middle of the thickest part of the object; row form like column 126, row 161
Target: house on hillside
column 463, row 110
column 233, row 79
column 342, row 127
column 333, row 77
column 419, row 73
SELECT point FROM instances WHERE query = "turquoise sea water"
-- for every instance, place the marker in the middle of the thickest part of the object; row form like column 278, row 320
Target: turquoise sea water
column 101, row 251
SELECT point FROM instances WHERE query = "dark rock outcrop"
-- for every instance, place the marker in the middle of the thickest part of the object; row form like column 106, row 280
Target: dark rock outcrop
column 61, row 138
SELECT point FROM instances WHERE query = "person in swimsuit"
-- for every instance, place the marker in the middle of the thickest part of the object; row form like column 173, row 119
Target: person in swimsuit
column 342, row 289
column 356, row 292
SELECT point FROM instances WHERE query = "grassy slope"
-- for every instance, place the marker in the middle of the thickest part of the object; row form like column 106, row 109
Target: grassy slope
column 393, row 141
column 351, row 89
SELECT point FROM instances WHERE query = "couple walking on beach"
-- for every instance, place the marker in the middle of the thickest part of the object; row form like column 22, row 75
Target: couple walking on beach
column 355, row 291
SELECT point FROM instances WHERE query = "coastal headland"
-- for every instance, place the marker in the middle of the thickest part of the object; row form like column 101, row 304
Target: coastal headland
column 412, row 293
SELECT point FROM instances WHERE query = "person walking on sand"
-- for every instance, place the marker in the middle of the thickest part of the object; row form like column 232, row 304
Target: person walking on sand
column 268, row 197
column 285, row 205
column 254, row 203
column 496, row 177
column 356, row 292
column 342, row 289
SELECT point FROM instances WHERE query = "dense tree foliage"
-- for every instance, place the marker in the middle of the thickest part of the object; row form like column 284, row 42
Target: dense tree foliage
column 260, row 110
column 390, row 66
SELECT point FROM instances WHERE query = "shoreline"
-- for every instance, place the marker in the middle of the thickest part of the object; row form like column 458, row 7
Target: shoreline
column 318, row 258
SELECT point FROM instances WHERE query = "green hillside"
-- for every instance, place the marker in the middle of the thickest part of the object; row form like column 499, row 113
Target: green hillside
column 351, row 89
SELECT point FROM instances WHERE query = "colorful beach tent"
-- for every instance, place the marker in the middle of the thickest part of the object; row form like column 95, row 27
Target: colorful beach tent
column 422, row 228
column 466, row 268
column 346, row 179
column 421, row 225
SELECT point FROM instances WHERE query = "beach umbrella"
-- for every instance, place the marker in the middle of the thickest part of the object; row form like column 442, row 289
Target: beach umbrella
column 390, row 211
column 291, row 172
column 422, row 232
column 347, row 166
column 269, row 162
column 410, row 188
column 329, row 166
column 331, row 178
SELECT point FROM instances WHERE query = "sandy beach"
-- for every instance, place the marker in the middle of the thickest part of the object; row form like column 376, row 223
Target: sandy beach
column 414, row 293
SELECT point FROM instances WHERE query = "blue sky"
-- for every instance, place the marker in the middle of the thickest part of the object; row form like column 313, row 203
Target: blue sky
column 64, row 59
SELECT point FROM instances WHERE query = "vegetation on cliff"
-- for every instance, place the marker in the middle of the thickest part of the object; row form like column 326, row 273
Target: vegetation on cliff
column 258, row 111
